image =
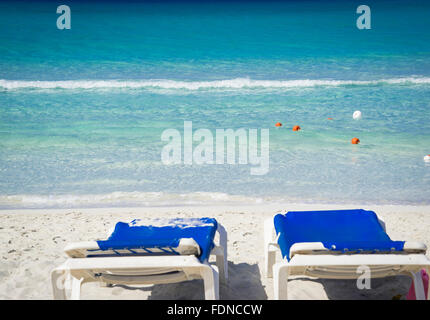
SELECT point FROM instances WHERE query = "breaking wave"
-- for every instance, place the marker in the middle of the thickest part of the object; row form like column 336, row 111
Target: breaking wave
column 238, row 83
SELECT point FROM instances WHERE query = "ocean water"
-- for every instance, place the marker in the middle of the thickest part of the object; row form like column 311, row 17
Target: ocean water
column 82, row 110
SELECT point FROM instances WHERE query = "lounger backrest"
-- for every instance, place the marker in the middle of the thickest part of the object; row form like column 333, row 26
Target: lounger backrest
column 162, row 235
column 340, row 230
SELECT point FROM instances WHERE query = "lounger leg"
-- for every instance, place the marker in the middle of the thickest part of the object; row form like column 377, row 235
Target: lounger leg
column 270, row 259
column 419, row 286
column 76, row 289
column 58, row 284
column 67, row 284
column 269, row 255
column 280, row 281
column 428, row 285
column 221, row 260
column 210, row 278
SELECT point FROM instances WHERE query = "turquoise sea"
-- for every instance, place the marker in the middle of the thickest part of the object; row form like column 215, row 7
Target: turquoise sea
column 82, row 110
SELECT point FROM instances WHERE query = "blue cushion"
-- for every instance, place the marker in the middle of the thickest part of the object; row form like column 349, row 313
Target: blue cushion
column 164, row 234
column 339, row 230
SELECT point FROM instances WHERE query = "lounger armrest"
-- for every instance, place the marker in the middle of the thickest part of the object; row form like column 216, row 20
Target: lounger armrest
column 306, row 248
column 270, row 236
column 414, row 247
column 221, row 236
column 188, row 246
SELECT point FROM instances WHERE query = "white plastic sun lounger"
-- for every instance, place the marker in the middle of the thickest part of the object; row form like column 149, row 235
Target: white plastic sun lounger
column 165, row 252
column 334, row 244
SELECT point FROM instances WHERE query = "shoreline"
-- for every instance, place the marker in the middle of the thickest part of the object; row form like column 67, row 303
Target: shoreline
column 35, row 238
column 278, row 207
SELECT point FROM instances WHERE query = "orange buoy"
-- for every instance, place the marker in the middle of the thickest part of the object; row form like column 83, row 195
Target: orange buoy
column 296, row 128
column 329, row 118
column 355, row 141
column 278, row 124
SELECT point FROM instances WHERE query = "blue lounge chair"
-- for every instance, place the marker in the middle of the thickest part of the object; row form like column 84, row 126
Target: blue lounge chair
column 164, row 251
column 334, row 244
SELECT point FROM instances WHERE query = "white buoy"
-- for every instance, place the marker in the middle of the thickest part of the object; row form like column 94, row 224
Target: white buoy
column 427, row 158
column 356, row 115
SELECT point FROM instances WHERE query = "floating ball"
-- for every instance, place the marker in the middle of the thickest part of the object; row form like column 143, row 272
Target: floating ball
column 356, row 115
column 355, row 141
column 296, row 128
column 278, row 124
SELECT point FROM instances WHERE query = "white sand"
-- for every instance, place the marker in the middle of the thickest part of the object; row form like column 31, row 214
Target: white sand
column 32, row 242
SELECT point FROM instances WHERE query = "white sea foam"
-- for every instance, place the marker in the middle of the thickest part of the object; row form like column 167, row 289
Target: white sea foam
column 126, row 199
column 238, row 83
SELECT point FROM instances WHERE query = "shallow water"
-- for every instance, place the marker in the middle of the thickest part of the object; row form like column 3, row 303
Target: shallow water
column 82, row 110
